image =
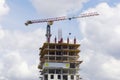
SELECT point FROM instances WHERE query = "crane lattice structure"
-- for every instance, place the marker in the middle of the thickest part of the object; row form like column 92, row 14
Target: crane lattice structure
column 51, row 20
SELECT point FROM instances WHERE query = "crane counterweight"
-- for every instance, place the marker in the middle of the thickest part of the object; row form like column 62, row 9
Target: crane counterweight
column 28, row 22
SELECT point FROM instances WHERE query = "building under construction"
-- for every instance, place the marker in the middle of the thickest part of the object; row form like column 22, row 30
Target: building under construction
column 59, row 60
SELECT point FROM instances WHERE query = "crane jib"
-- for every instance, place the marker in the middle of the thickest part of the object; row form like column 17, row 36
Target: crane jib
column 61, row 18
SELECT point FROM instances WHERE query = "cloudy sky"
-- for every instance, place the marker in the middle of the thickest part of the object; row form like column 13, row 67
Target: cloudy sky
column 99, row 36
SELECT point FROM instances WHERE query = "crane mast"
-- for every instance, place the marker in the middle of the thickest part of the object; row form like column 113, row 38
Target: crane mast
column 51, row 20
column 48, row 33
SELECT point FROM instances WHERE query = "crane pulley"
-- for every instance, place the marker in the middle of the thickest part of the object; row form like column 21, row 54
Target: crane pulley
column 51, row 20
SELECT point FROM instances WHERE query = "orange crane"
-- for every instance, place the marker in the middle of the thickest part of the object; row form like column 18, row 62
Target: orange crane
column 51, row 20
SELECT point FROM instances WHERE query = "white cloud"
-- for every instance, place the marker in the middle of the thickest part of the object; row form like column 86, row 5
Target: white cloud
column 17, row 68
column 112, row 69
column 1, row 33
column 1, row 67
column 102, row 32
column 3, row 78
column 14, row 40
column 4, row 9
column 18, row 60
column 99, row 66
column 17, row 49
column 57, row 7
column 100, row 44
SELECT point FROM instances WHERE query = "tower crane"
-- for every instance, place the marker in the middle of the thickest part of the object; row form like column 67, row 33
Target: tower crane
column 51, row 20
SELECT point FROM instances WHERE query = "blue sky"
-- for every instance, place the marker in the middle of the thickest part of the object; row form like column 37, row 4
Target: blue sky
column 98, row 36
